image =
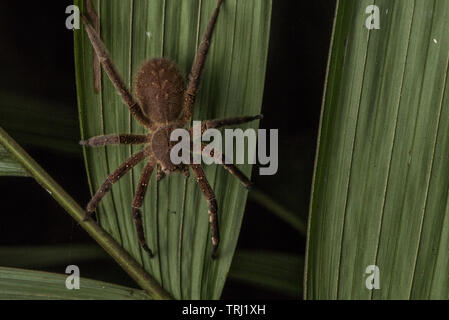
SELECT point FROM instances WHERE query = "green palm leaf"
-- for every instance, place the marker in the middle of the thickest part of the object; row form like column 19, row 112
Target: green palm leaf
column 20, row 284
column 382, row 175
column 175, row 212
column 272, row 270
column 9, row 166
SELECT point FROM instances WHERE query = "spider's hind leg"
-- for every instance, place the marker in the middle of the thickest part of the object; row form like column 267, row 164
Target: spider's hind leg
column 212, row 203
column 111, row 179
column 137, row 204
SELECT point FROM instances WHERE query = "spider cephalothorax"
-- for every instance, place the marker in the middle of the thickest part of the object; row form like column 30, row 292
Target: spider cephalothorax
column 164, row 103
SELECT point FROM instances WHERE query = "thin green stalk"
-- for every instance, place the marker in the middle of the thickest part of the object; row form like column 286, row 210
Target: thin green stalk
column 95, row 231
column 278, row 209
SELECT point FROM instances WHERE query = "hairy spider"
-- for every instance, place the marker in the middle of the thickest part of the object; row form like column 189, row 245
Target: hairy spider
column 164, row 103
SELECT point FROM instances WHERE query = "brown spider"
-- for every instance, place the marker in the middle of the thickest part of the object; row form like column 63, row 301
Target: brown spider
column 164, row 103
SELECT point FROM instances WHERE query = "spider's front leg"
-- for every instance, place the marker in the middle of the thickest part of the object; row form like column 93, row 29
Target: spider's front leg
column 218, row 123
column 112, row 72
column 212, row 203
column 111, row 179
column 198, row 65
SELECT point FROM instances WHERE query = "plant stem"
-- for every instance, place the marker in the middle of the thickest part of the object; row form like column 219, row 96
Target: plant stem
column 72, row 207
column 283, row 213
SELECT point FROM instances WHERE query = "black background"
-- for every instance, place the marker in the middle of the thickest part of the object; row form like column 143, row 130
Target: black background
column 36, row 60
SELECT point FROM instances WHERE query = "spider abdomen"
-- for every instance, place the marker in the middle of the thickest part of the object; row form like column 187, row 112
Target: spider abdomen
column 159, row 88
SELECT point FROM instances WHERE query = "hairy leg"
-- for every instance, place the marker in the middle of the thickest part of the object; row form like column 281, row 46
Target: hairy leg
column 160, row 173
column 113, row 74
column 115, row 139
column 230, row 167
column 212, row 203
column 198, row 65
column 112, row 178
column 217, row 123
column 93, row 18
column 137, row 203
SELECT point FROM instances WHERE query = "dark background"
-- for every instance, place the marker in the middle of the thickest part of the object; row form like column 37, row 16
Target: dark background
column 36, row 60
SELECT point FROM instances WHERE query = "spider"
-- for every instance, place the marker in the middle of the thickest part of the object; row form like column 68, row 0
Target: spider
column 164, row 103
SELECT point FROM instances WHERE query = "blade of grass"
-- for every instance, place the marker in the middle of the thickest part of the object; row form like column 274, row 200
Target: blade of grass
column 70, row 205
column 175, row 212
column 20, row 284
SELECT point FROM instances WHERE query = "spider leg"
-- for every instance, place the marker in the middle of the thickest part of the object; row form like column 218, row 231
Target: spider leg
column 160, row 173
column 217, row 123
column 115, row 139
column 113, row 74
column 137, row 203
column 198, row 65
column 112, row 178
column 212, row 203
column 93, row 18
column 221, row 158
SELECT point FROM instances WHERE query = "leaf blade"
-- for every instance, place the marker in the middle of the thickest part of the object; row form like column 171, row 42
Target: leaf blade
column 382, row 141
column 181, row 241
column 271, row 270
column 9, row 166
column 21, row 284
